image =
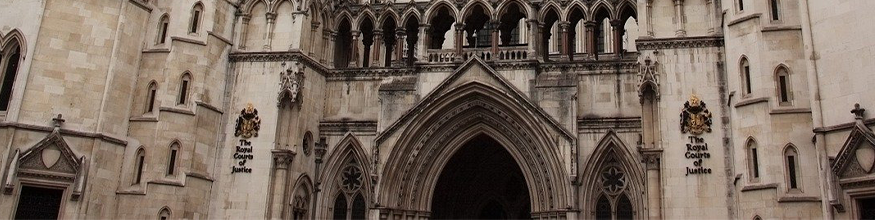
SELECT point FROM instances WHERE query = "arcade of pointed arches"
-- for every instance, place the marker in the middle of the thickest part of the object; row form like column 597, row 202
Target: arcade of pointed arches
column 347, row 34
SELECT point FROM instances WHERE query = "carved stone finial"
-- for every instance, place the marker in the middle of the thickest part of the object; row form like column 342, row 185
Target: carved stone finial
column 858, row 112
column 648, row 81
column 58, row 121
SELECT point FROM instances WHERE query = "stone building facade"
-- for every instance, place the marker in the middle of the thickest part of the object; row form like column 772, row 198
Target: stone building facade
column 375, row 109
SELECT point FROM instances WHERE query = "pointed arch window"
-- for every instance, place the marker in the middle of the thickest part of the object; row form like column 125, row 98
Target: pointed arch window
column 184, row 85
column 171, row 159
column 791, row 160
column 351, row 180
column 745, row 76
column 196, row 13
column 164, row 214
column 163, row 26
column 150, row 97
column 785, row 93
column 753, row 161
column 9, row 59
column 140, row 162
column 613, row 203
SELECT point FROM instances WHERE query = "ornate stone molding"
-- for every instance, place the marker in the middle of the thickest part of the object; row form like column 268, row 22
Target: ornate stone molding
column 291, row 82
column 599, row 125
column 368, row 73
column 343, row 126
column 283, row 56
column 648, row 78
column 860, row 133
column 628, row 66
column 679, row 43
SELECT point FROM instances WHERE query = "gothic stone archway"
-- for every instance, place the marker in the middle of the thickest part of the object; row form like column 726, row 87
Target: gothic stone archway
column 474, row 101
column 481, row 181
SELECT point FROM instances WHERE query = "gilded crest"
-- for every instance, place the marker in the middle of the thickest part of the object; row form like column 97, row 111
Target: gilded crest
column 695, row 117
column 248, row 123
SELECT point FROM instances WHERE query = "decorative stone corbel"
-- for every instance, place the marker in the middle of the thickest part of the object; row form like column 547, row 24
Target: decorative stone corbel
column 283, row 158
column 650, row 157
column 290, row 84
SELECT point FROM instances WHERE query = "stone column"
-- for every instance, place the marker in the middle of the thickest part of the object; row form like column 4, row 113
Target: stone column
column 494, row 25
column 679, row 16
column 319, row 152
column 378, row 43
column 281, row 161
column 422, row 44
column 400, row 39
column 268, row 33
column 617, row 25
column 590, row 40
column 563, row 47
column 310, row 46
column 325, row 45
column 649, row 16
column 709, row 14
column 354, row 52
column 460, row 30
column 543, row 49
column 332, row 37
column 244, row 21
column 533, row 37
column 652, row 158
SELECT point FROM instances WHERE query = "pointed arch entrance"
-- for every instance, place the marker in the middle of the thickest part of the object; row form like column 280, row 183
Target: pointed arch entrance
column 474, row 101
column 481, row 181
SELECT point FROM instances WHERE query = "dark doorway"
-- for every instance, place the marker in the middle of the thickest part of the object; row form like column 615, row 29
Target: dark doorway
column 867, row 208
column 481, row 181
column 38, row 203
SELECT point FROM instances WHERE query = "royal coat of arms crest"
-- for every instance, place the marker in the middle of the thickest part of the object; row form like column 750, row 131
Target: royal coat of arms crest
column 695, row 117
column 248, row 123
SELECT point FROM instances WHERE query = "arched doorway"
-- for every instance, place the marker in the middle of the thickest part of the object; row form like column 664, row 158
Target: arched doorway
column 481, row 181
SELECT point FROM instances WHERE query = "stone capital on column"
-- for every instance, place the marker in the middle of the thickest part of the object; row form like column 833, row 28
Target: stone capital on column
column 589, row 24
column 271, row 17
column 282, row 158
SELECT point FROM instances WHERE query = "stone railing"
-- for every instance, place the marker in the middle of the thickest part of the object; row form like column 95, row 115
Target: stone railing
column 513, row 53
column 484, row 53
column 441, row 55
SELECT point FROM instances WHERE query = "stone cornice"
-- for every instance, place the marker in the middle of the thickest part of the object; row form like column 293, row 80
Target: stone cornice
column 598, row 125
column 630, row 66
column 679, row 43
column 220, row 38
column 65, row 131
column 843, row 126
column 141, row 5
column 743, row 19
column 208, row 106
column 368, row 73
column 343, row 126
column 755, row 187
column 187, row 40
column 751, row 101
column 281, row 56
